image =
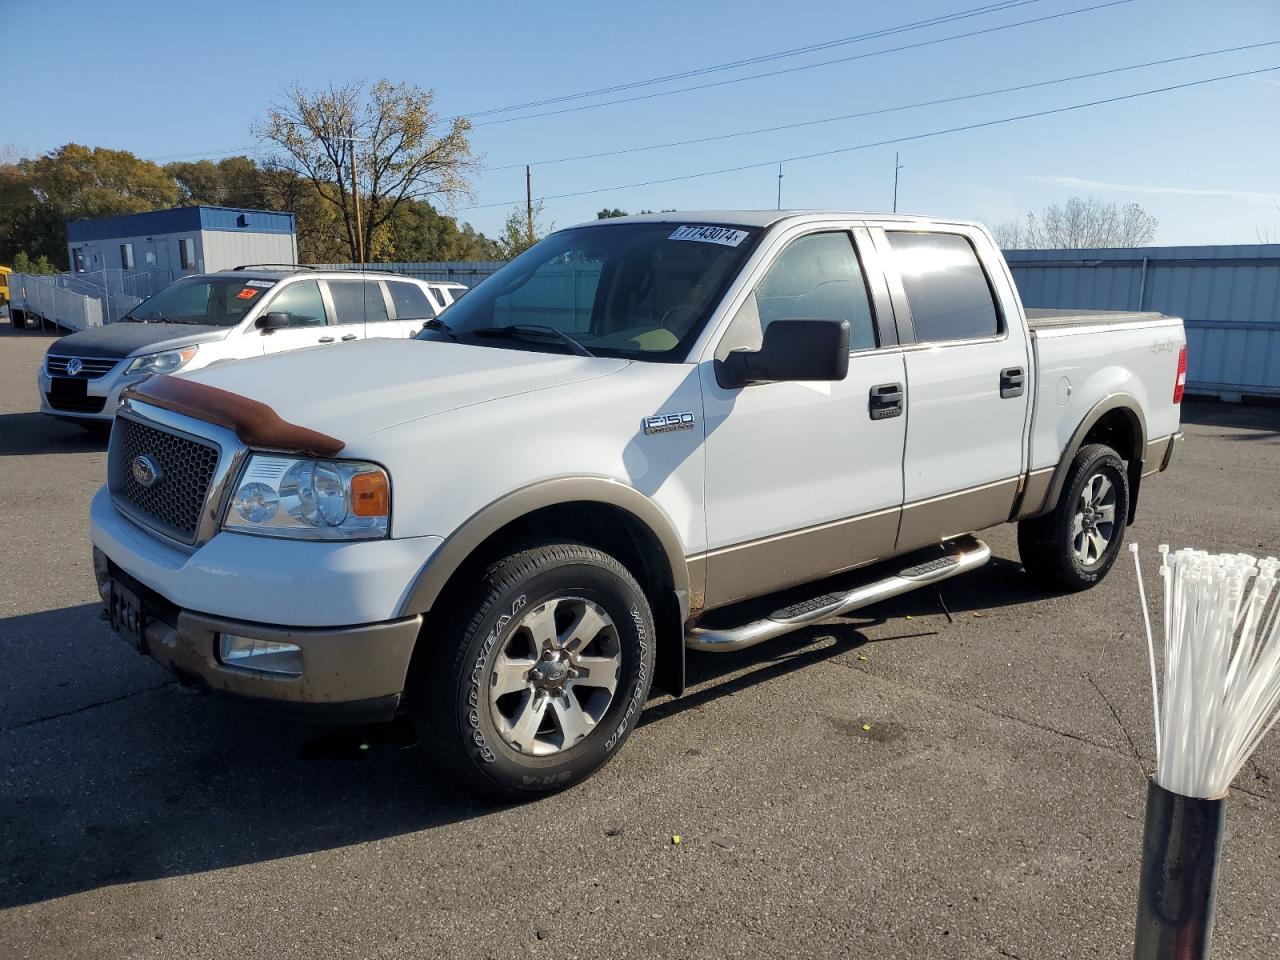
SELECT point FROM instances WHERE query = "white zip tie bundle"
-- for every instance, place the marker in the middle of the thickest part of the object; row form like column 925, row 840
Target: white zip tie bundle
column 1221, row 690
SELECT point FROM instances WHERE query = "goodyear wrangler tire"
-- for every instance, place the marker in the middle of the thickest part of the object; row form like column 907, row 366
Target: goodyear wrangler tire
column 540, row 676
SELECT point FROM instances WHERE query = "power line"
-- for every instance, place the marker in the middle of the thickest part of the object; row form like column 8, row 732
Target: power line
column 891, row 140
column 991, row 8
column 806, row 66
column 762, row 58
column 883, row 110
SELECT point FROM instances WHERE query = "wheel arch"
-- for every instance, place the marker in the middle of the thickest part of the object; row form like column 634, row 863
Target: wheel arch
column 599, row 511
column 1117, row 421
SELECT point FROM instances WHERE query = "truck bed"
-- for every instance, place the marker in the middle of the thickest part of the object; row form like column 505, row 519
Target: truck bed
column 1039, row 319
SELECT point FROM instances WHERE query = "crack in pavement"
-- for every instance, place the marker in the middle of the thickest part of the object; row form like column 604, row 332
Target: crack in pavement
column 1137, row 758
column 88, row 706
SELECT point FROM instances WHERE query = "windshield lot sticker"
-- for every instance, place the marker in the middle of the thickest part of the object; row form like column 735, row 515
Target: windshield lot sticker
column 727, row 236
column 247, row 294
column 263, row 284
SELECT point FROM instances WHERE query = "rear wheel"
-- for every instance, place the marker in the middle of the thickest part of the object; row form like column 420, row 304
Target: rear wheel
column 1074, row 546
column 539, row 677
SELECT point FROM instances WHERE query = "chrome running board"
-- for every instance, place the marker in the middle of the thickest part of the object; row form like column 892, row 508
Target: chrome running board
column 959, row 556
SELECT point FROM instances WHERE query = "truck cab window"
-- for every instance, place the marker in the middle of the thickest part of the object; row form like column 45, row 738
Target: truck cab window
column 817, row 277
column 947, row 290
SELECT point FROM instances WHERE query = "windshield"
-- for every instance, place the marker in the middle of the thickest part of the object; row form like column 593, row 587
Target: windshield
column 635, row 290
column 220, row 301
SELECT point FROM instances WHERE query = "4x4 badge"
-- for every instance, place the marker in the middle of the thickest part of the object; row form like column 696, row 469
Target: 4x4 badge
column 666, row 422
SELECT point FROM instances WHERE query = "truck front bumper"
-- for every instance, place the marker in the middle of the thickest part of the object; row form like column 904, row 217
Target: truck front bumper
column 336, row 602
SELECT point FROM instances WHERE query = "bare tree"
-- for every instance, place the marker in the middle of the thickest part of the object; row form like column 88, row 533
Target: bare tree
column 1079, row 225
column 400, row 153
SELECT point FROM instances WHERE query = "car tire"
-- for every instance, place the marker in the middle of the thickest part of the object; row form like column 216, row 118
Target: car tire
column 1073, row 547
column 538, row 676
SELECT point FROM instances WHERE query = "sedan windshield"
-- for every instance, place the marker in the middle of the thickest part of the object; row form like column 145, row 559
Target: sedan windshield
column 219, row 301
column 635, row 290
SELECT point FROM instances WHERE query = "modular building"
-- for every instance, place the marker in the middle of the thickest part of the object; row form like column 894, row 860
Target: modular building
column 182, row 240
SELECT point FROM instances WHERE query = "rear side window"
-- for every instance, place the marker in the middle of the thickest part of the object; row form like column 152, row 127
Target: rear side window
column 410, row 301
column 946, row 288
column 818, row 277
column 357, row 301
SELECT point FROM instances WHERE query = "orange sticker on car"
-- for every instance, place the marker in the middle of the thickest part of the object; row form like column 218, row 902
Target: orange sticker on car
column 246, row 294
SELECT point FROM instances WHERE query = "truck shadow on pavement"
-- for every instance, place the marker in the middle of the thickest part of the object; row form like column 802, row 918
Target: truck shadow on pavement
column 1261, row 420
column 121, row 775
column 36, row 433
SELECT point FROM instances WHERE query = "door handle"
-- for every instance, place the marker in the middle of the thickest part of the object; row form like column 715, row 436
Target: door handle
column 885, row 401
column 1011, row 382
column 348, row 336
column 326, row 339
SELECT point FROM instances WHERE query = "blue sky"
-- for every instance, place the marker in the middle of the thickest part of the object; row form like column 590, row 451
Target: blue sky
column 163, row 80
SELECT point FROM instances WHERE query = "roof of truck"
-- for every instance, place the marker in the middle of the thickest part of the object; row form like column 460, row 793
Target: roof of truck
column 762, row 218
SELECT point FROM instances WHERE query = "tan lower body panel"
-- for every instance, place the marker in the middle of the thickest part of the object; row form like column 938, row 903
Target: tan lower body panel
column 1154, row 456
column 928, row 521
column 341, row 664
column 1034, row 492
column 775, row 563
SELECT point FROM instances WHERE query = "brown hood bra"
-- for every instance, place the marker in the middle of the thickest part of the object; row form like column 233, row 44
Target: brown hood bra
column 255, row 423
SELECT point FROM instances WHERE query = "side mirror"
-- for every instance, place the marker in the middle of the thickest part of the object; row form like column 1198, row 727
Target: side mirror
column 272, row 321
column 792, row 350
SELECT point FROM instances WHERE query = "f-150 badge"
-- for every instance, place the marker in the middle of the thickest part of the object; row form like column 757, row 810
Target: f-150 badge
column 667, row 422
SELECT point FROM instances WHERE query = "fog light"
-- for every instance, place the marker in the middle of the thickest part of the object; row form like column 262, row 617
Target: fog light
column 265, row 656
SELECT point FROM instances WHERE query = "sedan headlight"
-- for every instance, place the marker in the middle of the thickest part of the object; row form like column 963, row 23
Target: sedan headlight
column 168, row 361
column 311, row 499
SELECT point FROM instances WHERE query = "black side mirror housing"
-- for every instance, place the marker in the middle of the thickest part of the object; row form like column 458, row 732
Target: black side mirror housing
column 792, row 350
column 272, row 321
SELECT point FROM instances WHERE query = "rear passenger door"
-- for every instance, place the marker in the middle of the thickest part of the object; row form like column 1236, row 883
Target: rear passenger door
column 302, row 302
column 967, row 370
column 411, row 306
column 359, row 309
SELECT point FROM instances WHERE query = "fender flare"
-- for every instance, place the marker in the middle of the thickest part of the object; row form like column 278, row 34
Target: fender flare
column 1112, row 401
column 459, row 545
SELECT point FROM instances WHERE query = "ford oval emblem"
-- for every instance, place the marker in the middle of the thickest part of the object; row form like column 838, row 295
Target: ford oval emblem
column 74, row 366
column 145, row 471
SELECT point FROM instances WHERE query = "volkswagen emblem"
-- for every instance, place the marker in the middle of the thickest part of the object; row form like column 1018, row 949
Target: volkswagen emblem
column 74, row 366
column 145, row 471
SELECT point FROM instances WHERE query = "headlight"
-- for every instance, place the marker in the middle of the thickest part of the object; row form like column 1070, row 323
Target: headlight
column 311, row 499
column 167, row 362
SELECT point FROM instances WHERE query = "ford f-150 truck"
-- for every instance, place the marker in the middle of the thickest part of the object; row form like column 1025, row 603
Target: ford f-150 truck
column 641, row 436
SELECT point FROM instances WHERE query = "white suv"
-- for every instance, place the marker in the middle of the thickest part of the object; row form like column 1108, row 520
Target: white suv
column 210, row 318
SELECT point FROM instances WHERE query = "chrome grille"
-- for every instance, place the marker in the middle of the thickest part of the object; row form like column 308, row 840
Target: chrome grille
column 90, row 368
column 184, row 472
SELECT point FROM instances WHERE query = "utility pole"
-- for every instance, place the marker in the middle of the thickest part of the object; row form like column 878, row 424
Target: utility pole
column 355, row 196
column 896, row 167
column 528, row 199
column 779, row 186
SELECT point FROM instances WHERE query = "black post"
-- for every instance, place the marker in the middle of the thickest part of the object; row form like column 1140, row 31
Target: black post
column 1181, row 846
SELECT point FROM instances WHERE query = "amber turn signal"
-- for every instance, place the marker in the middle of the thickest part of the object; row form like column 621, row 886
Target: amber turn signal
column 369, row 495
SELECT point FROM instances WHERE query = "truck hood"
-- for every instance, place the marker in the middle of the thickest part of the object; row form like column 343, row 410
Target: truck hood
column 354, row 389
column 117, row 340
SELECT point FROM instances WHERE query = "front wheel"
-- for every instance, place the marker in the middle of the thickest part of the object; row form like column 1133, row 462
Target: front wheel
column 1074, row 546
column 539, row 678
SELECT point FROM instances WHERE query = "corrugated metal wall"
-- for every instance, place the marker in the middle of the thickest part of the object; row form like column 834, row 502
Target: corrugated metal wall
column 1229, row 297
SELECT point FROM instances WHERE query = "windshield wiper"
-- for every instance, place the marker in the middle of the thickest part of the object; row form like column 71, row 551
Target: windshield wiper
column 517, row 331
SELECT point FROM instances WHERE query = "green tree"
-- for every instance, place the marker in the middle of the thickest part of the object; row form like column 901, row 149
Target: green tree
column 230, row 182
column 403, row 151
column 521, row 232
column 24, row 264
column 609, row 213
column 418, row 232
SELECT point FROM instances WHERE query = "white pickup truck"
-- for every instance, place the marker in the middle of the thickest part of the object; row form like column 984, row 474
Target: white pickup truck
column 615, row 449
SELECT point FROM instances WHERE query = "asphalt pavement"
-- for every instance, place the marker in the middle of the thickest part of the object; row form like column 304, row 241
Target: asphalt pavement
column 890, row 785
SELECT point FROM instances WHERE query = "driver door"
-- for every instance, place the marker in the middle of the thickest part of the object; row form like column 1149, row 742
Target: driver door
column 309, row 323
column 802, row 481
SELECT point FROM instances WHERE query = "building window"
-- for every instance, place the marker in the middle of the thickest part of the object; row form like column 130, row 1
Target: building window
column 187, row 253
column 126, row 256
column 77, row 260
